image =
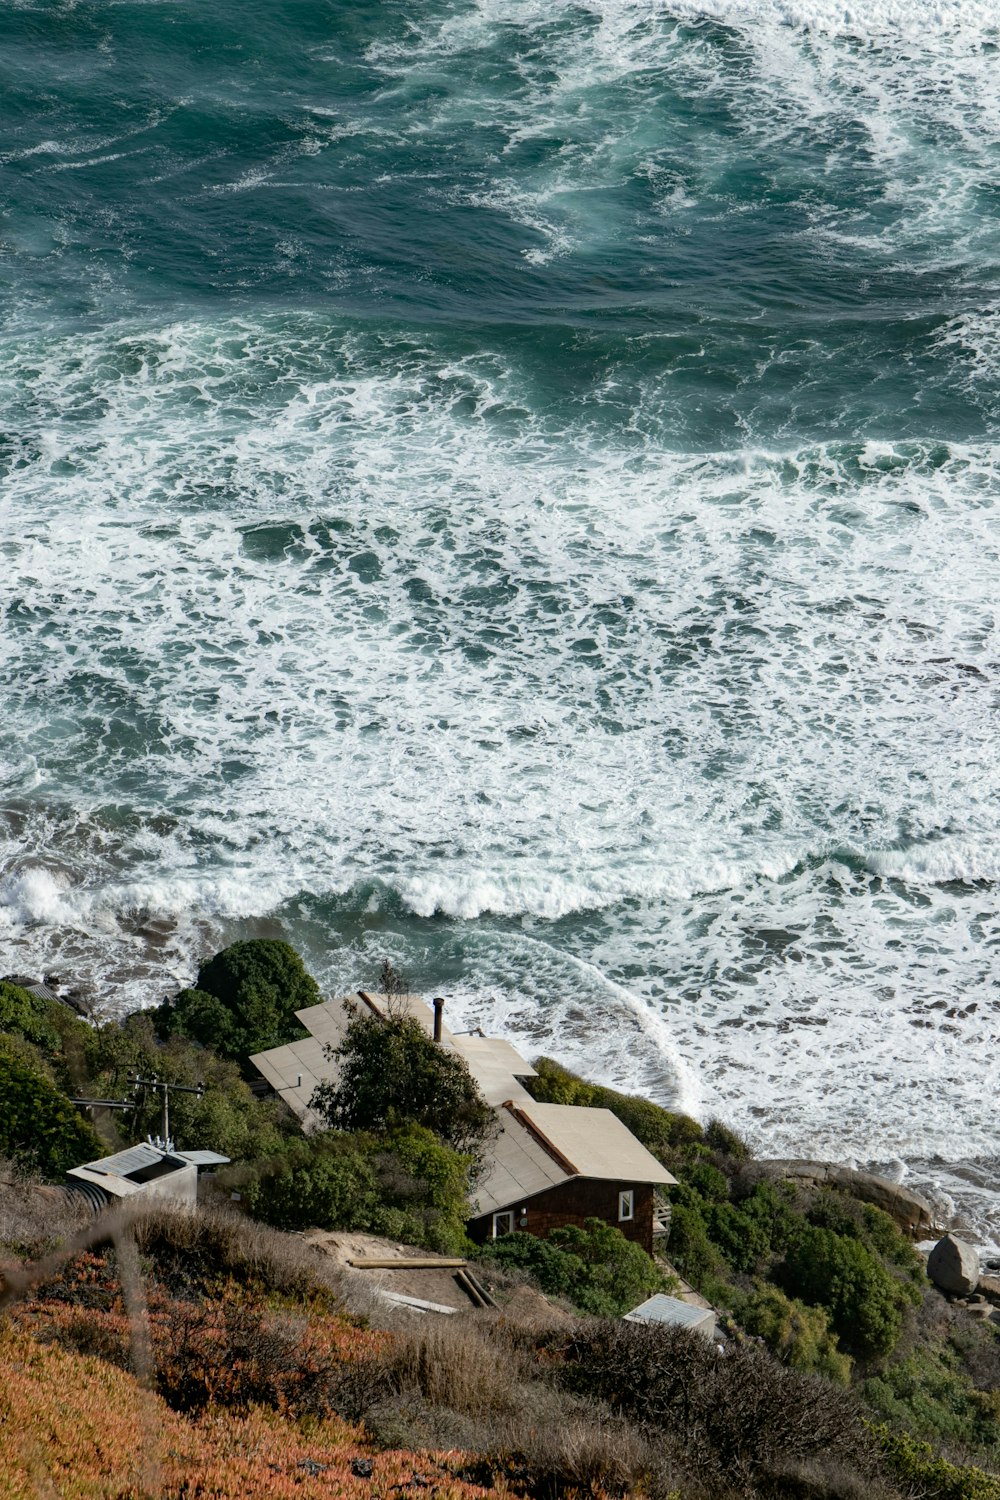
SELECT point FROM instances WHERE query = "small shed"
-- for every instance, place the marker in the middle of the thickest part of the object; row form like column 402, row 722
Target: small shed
column 675, row 1314
column 146, row 1168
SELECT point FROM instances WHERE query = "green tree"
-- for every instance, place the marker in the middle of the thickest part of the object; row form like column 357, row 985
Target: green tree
column 244, row 1000
column 391, row 1073
column 843, row 1276
column 38, row 1126
column 225, row 1118
column 800, row 1336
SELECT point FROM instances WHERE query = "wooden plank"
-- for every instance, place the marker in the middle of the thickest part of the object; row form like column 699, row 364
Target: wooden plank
column 417, row 1302
column 377, row 1263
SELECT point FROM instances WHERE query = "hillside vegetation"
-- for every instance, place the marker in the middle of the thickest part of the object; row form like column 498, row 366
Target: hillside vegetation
column 216, row 1354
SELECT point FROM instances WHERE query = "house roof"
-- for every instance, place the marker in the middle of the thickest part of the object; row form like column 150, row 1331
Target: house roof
column 539, row 1145
column 517, row 1166
column 593, row 1143
column 543, row 1145
column 495, row 1065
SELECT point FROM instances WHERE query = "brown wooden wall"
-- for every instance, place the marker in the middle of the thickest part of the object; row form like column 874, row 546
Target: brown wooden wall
column 574, row 1201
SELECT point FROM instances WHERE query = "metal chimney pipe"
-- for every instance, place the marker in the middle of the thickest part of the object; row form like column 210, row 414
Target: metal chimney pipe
column 438, row 1009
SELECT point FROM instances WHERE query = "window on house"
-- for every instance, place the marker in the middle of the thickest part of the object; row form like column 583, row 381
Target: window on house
column 626, row 1205
column 503, row 1224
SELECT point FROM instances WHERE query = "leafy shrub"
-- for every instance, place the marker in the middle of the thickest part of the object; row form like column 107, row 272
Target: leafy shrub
column 800, row 1336
column 728, row 1142
column 919, row 1467
column 929, row 1394
column 847, row 1216
column 595, row 1267
column 28, row 1016
column 691, row 1249
column 38, row 1125
column 843, row 1276
column 392, row 1073
column 405, row 1184
column 244, row 1000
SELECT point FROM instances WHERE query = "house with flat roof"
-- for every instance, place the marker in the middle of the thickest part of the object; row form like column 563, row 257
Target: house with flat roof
column 549, row 1164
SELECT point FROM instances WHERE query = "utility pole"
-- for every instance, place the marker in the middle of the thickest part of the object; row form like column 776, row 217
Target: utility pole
column 180, row 1088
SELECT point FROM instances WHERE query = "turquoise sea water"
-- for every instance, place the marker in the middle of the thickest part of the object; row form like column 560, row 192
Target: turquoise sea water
column 513, row 487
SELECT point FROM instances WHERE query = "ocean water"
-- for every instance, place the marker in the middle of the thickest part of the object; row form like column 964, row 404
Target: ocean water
column 513, row 488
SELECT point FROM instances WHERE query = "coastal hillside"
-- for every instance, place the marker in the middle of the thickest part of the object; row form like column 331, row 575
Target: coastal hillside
column 838, row 1369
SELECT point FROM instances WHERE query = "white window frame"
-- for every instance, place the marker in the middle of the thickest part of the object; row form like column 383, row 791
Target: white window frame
column 505, row 1227
column 626, row 1205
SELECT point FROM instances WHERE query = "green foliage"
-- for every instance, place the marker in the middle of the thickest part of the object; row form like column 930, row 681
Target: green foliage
column 244, row 1001
column 595, row 1267
column 226, row 1118
column 55, row 1035
column 930, row 1394
column 422, row 1187
column 918, row 1467
column 719, row 1137
column 392, row 1073
column 691, row 1249
column 28, row 1016
column 873, row 1228
column 843, row 1276
column 38, row 1125
column 800, row 1336
column 661, row 1131
column 405, row 1185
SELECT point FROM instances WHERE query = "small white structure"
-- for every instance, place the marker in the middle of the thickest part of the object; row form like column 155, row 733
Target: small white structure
column 675, row 1314
column 147, row 1168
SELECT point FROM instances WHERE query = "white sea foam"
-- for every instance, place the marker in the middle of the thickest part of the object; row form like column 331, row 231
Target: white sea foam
column 681, row 765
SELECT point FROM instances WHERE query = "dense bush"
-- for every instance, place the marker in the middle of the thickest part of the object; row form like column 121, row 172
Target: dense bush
column 930, row 1393
column 596, row 1267
column 405, row 1184
column 244, row 1000
column 843, row 1276
column 38, row 1125
column 800, row 1336
column 390, row 1073
column 925, row 1473
column 28, row 1016
column 740, row 1419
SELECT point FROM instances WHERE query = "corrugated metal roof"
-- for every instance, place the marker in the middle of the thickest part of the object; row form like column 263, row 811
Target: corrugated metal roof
column 203, row 1158
column 132, row 1159
column 664, row 1309
column 594, row 1142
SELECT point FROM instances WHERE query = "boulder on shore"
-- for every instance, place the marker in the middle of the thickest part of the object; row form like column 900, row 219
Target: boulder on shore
column 953, row 1266
column 910, row 1212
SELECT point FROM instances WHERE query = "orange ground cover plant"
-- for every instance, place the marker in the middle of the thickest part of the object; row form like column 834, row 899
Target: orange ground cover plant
column 73, row 1426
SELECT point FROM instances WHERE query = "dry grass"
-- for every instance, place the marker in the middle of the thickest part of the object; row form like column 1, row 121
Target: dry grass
column 34, row 1219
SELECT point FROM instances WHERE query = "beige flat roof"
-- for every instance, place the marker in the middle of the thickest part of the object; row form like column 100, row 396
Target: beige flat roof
column 496, row 1066
column 593, row 1142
